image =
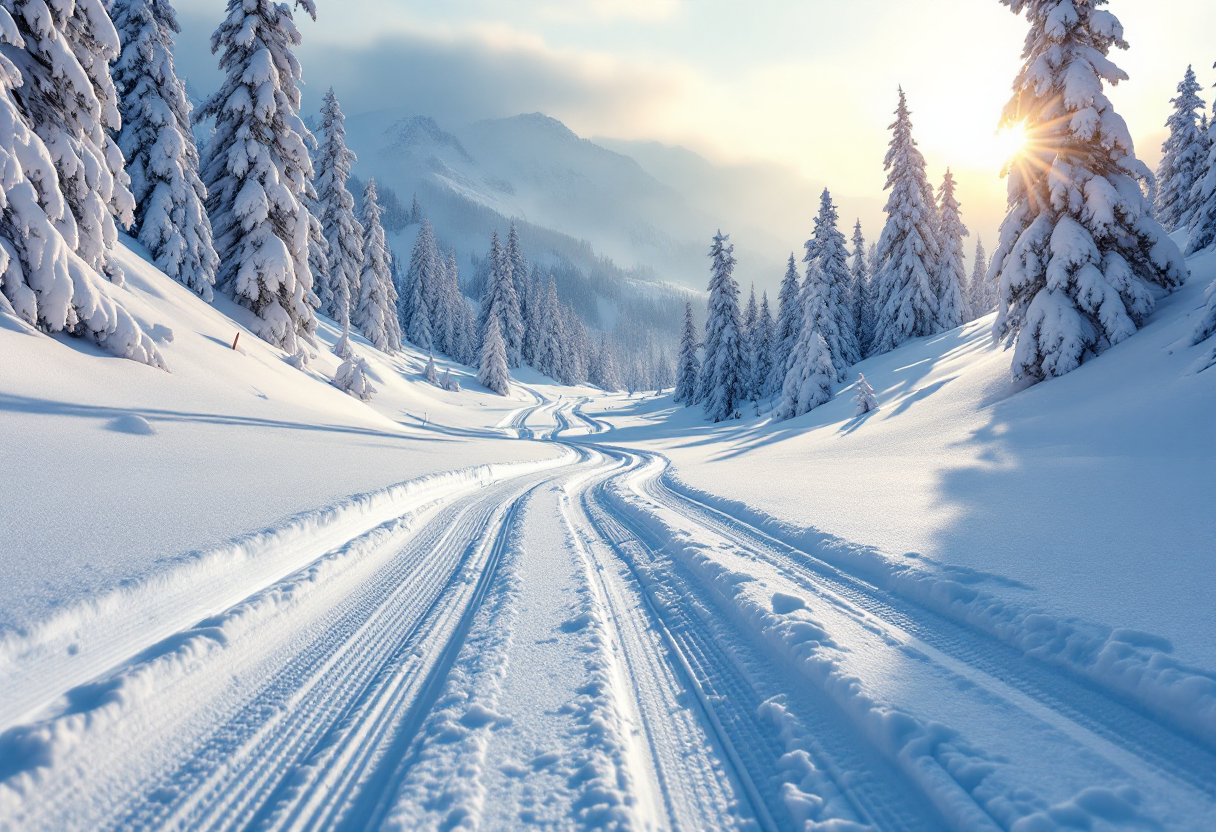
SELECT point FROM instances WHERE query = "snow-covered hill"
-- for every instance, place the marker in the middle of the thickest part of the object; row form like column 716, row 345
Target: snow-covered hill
column 1088, row 497
column 116, row 472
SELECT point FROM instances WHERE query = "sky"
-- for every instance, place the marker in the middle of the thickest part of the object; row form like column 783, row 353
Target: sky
column 809, row 85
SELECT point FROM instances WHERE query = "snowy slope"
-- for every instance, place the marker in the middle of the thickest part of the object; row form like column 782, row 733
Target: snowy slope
column 239, row 441
column 1088, row 497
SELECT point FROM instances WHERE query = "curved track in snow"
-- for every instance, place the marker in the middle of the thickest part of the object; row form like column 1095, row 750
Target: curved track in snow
column 583, row 647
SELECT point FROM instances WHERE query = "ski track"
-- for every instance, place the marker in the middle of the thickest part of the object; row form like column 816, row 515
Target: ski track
column 579, row 647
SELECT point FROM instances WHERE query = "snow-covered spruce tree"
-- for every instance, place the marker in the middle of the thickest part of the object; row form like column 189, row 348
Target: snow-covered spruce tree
column 430, row 374
column 980, row 297
column 789, row 319
column 517, row 264
column 61, row 53
column 1079, row 249
column 551, row 340
column 448, row 382
column 353, row 377
column 376, row 312
column 762, row 347
column 862, row 294
column 907, row 249
column 722, row 370
column 751, row 314
column 826, row 252
column 1184, row 156
column 531, row 306
column 158, row 143
column 258, row 172
column 952, row 307
column 41, row 280
column 342, row 345
column 607, row 377
column 865, row 399
column 1202, row 224
column 808, row 383
column 502, row 302
column 688, row 368
column 419, row 280
column 493, row 371
column 336, row 210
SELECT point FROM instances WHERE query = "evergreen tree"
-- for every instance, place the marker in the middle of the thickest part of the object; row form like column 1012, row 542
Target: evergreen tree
column 981, row 298
column 449, row 383
column 1184, row 155
column 502, row 302
column 336, row 209
column 808, row 383
column 952, row 307
column 762, row 348
column 1203, row 196
column 516, row 263
column 751, row 315
column 493, row 371
column 606, row 376
column 722, row 371
column 863, row 296
column 789, row 319
column 907, row 249
column 826, row 253
column 342, row 346
column 688, row 370
column 354, row 377
column 866, row 402
column 376, row 312
column 41, row 282
column 258, row 171
column 551, row 343
column 156, row 139
column 430, row 373
column 1079, row 250
column 422, row 274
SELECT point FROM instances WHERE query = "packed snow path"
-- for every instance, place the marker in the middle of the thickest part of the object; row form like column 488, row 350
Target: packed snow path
column 579, row 647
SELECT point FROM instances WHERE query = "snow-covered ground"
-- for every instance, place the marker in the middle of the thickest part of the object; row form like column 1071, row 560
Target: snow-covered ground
column 232, row 596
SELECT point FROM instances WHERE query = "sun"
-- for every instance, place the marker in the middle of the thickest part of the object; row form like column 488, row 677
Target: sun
column 1011, row 141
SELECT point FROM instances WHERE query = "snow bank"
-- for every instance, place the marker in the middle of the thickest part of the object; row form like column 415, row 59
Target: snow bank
column 1130, row 663
column 80, row 641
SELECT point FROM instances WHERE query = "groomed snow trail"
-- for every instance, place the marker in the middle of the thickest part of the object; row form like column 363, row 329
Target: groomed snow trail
column 579, row 646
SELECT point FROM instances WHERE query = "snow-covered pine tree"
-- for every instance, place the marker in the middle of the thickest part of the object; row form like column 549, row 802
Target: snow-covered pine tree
column 865, row 399
column 430, row 373
column 751, row 315
column 342, row 345
column 762, row 347
column 1079, row 249
column 1184, row 156
column 493, row 371
column 518, row 265
column 789, row 319
column 354, row 377
column 907, row 249
column 606, row 376
column 448, row 382
column 502, row 302
column 826, row 252
column 258, row 172
column 722, row 384
column 158, row 143
column 551, row 341
column 422, row 275
column 71, row 107
column 1202, row 224
column 952, row 307
column 808, row 383
column 532, row 306
column 980, row 297
column 336, row 210
column 41, row 281
column 863, row 296
column 376, row 313
column 577, row 360
column 688, row 369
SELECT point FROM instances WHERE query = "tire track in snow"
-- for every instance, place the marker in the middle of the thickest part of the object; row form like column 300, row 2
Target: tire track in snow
column 737, row 687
